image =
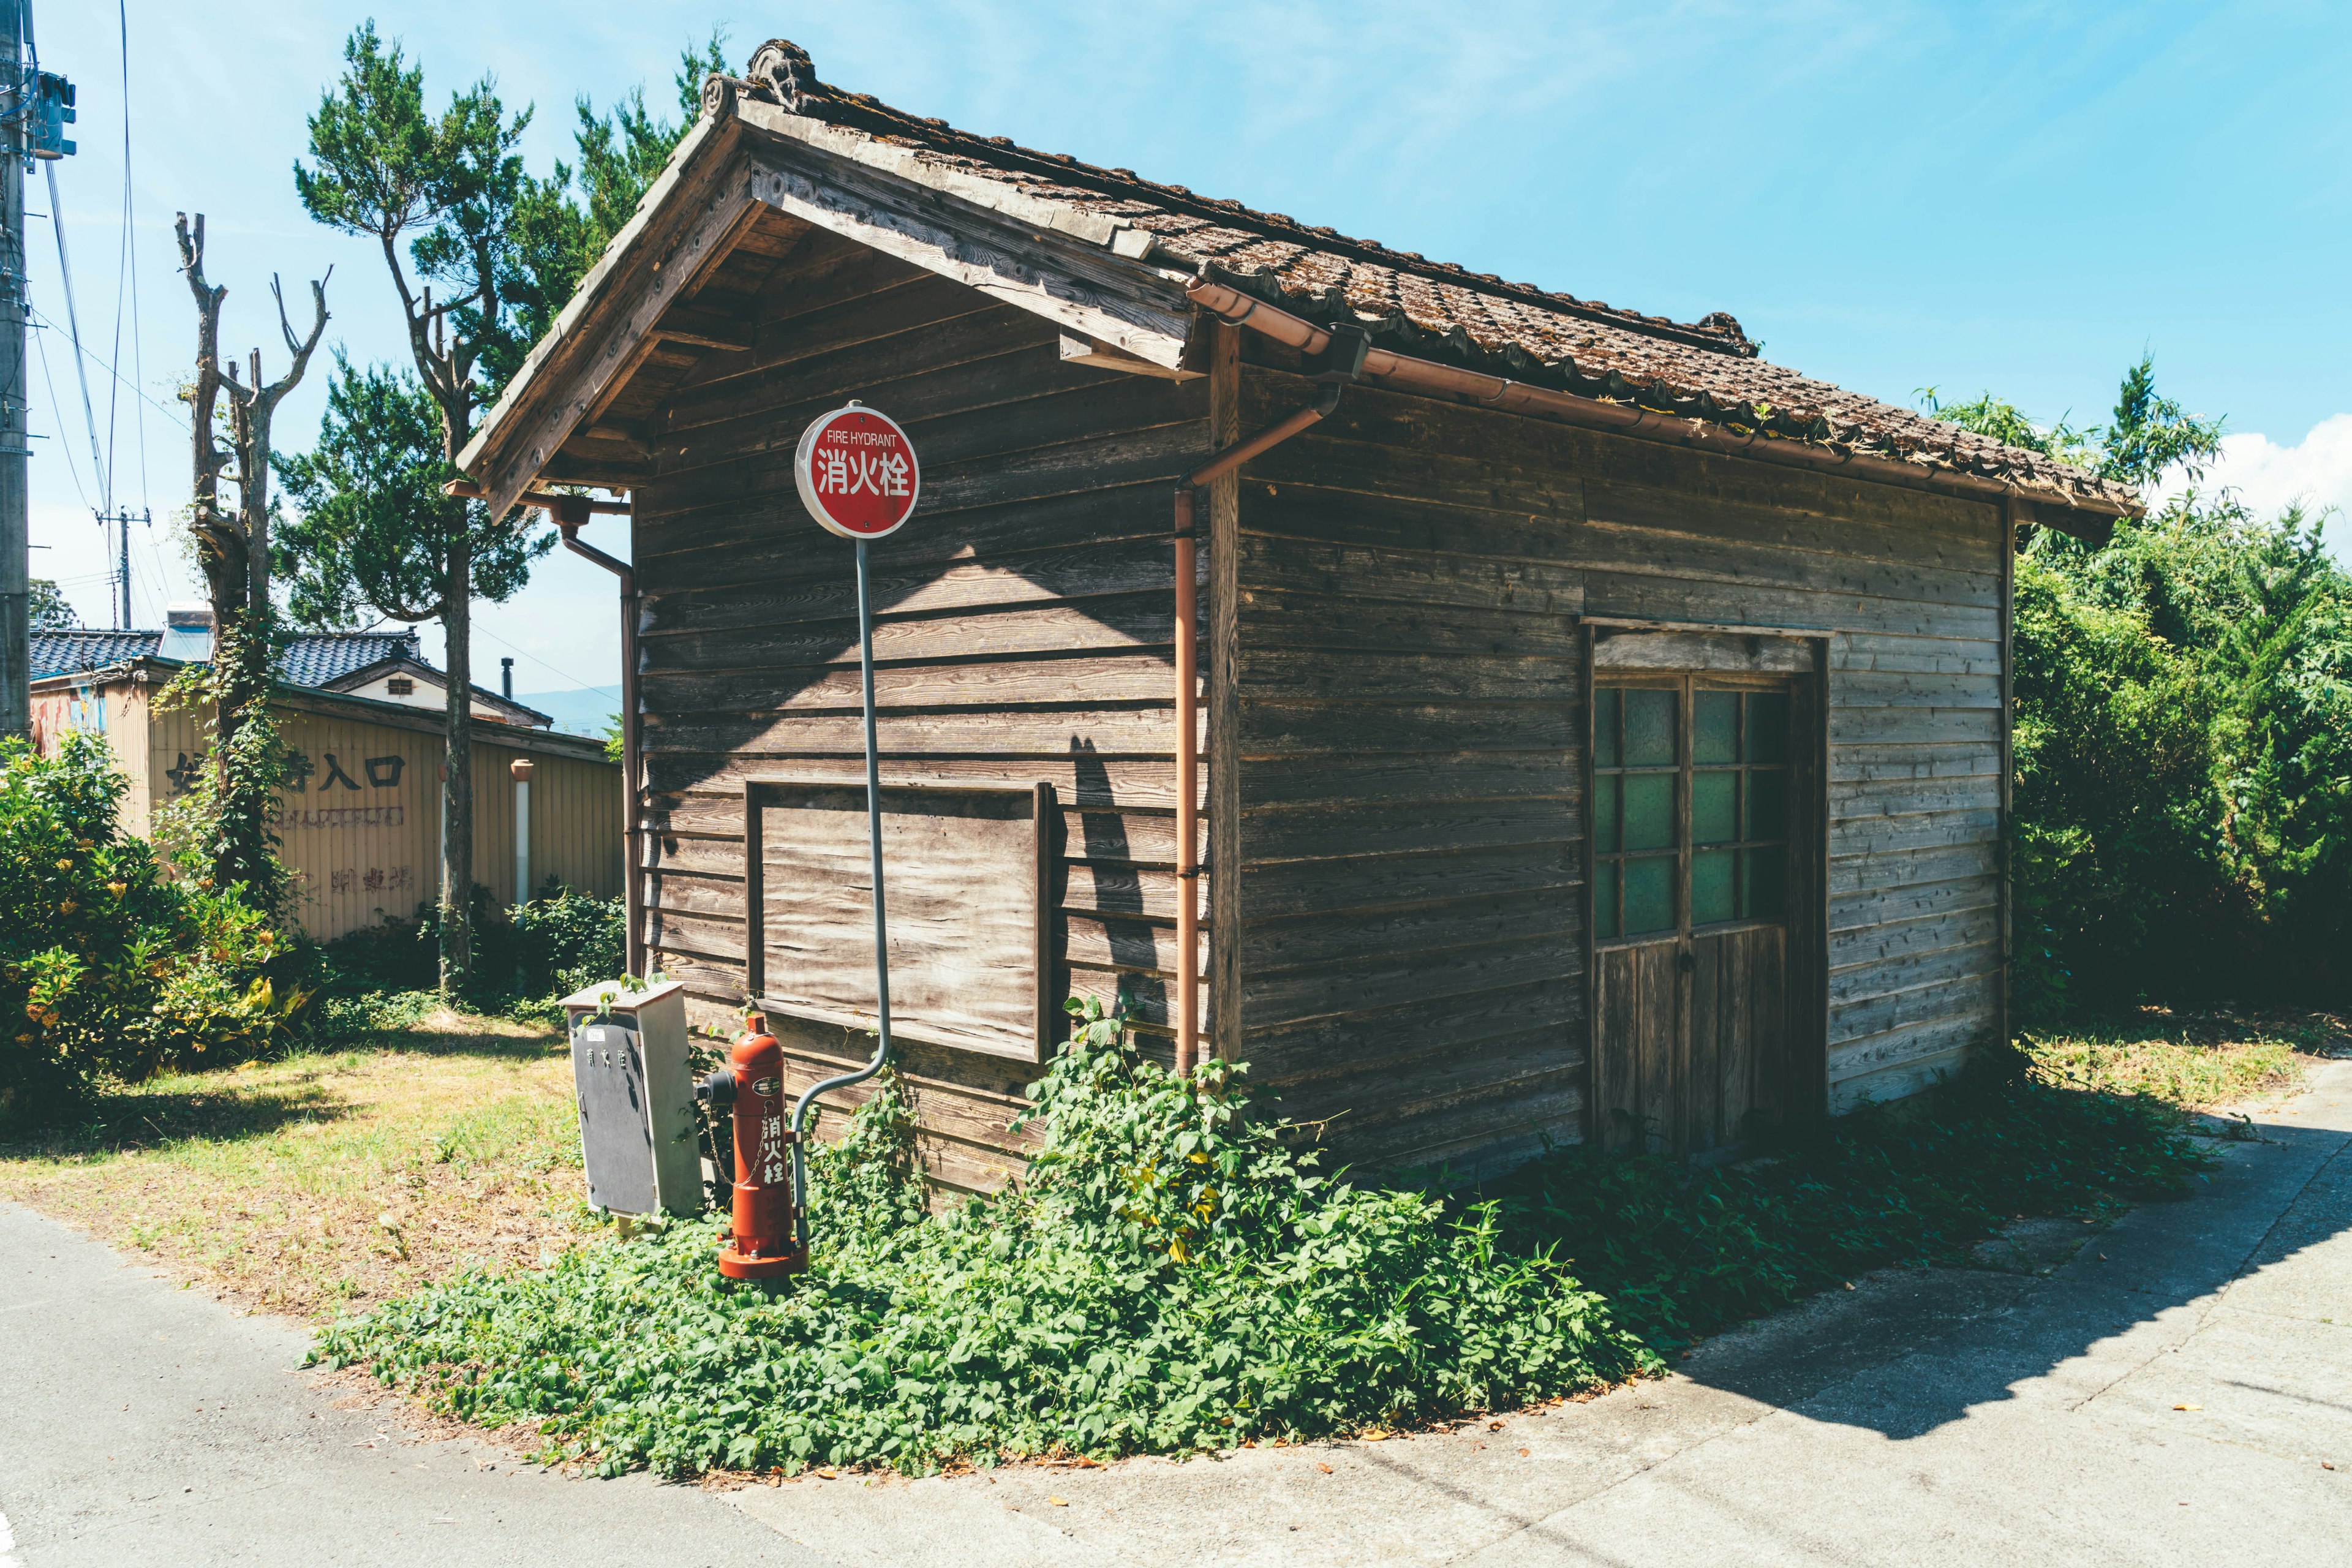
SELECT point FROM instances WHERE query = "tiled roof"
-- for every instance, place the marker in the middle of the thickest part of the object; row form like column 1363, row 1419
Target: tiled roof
column 315, row 658
column 72, row 652
column 318, row 658
column 1706, row 370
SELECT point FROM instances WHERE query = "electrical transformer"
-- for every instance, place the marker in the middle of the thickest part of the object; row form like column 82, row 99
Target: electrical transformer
column 635, row 1092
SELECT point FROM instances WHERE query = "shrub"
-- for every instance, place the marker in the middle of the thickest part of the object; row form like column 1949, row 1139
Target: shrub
column 566, row 941
column 1679, row 1252
column 109, row 966
column 524, row 957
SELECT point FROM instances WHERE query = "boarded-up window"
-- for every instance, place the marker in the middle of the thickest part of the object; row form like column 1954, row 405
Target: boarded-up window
column 967, row 877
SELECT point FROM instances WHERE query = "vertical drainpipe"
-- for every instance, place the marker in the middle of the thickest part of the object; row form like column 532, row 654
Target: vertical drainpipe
column 572, row 512
column 1335, row 367
column 521, row 770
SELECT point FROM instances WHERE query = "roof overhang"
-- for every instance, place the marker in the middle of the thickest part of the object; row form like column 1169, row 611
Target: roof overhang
column 743, row 158
column 342, row 705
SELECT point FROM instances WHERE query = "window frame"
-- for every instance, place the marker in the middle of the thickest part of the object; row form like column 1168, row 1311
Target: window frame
column 1687, row 684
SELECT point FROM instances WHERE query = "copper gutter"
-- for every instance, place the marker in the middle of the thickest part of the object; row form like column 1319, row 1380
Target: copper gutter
column 1338, row 367
column 1233, row 306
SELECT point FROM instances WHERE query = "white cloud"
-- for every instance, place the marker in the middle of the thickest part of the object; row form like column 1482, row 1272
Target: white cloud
column 2316, row 471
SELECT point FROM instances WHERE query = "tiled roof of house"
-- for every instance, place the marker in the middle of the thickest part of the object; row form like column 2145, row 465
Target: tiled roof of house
column 313, row 659
column 1706, row 370
column 318, row 658
column 72, row 652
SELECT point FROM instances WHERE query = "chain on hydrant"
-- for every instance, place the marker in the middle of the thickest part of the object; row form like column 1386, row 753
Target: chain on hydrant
column 764, row 1242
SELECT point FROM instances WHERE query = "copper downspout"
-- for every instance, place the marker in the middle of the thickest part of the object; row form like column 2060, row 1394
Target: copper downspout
column 568, row 518
column 1237, row 309
column 1188, row 744
column 572, row 513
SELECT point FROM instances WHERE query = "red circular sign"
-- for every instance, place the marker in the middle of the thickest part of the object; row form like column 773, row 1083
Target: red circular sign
column 858, row 472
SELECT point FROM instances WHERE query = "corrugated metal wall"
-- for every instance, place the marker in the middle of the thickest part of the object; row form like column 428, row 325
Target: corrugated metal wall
column 363, row 831
column 575, row 823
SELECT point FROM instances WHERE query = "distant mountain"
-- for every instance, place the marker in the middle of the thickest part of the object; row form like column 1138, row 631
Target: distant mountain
column 583, row 710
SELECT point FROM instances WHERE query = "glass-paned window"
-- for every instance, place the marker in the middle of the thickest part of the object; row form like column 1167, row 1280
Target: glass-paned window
column 1664, row 750
column 1636, row 802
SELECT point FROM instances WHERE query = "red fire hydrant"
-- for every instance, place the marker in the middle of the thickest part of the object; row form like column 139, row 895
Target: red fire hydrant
column 763, row 1241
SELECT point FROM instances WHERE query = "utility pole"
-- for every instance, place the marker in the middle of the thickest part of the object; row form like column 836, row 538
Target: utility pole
column 35, row 108
column 15, row 630
column 123, row 519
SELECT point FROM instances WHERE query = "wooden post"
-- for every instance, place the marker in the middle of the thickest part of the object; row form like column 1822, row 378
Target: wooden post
column 1224, row 784
column 1188, row 775
column 2009, row 519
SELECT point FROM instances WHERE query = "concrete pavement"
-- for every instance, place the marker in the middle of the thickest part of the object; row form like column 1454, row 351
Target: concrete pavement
column 2025, row 1413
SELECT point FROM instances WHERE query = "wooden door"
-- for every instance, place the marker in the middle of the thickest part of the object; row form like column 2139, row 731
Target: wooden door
column 1690, row 825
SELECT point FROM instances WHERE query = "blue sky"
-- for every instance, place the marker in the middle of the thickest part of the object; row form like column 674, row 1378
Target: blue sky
column 1890, row 196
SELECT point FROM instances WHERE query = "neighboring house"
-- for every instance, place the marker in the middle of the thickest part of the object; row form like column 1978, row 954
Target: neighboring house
column 384, row 665
column 1604, row 732
column 362, row 827
column 405, row 678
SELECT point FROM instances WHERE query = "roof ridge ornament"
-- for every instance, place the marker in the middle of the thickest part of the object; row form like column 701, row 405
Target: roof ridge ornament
column 781, row 70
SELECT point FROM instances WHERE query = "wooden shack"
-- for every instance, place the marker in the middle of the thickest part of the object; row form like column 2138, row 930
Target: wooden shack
column 1601, row 731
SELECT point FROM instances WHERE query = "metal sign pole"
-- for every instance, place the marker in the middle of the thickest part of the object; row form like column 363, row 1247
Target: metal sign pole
column 857, row 473
column 881, row 924
column 874, row 802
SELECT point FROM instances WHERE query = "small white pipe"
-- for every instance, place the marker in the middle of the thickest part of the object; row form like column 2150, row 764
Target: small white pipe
column 522, row 772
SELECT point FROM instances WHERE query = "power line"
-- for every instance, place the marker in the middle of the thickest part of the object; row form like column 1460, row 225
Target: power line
column 608, row 690
column 65, row 447
column 130, row 271
column 172, row 413
column 98, row 469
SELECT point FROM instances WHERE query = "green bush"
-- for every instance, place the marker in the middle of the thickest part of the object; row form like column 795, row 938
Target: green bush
column 2184, row 762
column 525, row 957
column 1170, row 1277
column 2184, row 734
column 566, row 941
column 108, row 965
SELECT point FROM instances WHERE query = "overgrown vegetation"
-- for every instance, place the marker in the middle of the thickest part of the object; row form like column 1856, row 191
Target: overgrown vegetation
column 1680, row 1253
column 1170, row 1277
column 1173, row 1275
column 109, row 968
column 227, row 822
column 2183, row 735
column 526, row 958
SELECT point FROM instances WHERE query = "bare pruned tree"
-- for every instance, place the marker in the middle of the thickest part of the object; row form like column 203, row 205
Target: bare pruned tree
column 233, row 544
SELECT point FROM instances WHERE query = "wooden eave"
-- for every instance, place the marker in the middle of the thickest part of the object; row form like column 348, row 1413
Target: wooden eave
column 677, row 283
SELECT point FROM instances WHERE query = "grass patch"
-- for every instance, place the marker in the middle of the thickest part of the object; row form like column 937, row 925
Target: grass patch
column 321, row 1180
column 1170, row 1277
column 2193, row 1061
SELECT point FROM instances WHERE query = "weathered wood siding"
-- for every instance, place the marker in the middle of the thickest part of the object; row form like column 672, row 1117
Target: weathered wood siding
column 1411, row 718
column 1410, row 688
column 1022, row 629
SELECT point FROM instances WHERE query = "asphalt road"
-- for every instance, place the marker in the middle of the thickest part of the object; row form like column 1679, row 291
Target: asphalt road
column 2025, row 1413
